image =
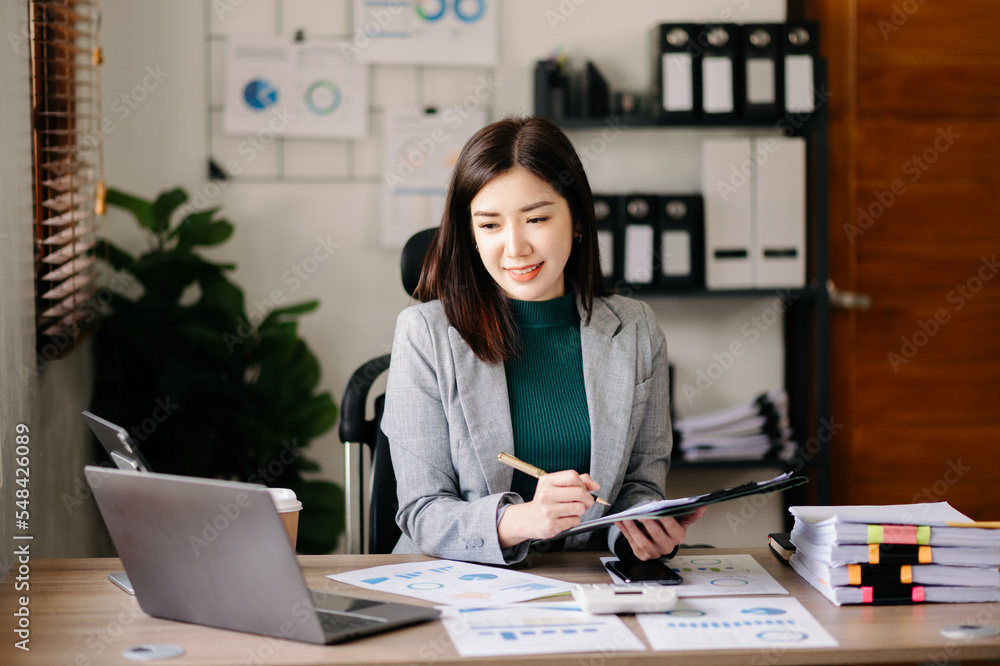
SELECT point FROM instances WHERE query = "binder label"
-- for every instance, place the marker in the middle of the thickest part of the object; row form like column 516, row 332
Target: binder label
column 678, row 82
column 717, row 73
column 760, row 81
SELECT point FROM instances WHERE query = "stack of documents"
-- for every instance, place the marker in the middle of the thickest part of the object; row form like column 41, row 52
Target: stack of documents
column 896, row 554
column 754, row 430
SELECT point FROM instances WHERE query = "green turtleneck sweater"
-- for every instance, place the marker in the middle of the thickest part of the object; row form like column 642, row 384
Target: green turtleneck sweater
column 548, row 401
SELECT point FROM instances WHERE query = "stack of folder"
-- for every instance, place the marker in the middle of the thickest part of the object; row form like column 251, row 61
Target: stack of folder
column 755, row 430
column 896, row 554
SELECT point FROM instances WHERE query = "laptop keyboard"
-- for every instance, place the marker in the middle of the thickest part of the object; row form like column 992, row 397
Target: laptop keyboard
column 335, row 625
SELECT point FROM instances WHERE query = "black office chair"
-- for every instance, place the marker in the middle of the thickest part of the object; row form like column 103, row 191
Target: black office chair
column 383, row 533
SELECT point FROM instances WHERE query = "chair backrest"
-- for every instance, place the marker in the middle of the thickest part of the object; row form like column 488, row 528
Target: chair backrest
column 383, row 533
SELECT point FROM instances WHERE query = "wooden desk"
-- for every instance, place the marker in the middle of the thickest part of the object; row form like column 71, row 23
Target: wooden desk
column 78, row 617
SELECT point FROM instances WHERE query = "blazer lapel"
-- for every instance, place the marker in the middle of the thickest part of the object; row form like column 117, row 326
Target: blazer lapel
column 487, row 411
column 609, row 375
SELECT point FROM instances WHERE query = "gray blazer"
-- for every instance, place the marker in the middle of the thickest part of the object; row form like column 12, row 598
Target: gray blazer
column 447, row 417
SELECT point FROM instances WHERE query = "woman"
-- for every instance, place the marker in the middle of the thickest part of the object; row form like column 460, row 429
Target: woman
column 518, row 348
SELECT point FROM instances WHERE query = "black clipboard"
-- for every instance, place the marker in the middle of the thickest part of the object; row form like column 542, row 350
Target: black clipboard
column 689, row 504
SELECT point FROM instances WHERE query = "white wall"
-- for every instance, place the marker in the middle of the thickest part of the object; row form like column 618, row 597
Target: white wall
column 163, row 142
column 47, row 400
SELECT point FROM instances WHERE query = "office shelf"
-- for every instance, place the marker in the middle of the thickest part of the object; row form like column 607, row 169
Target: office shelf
column 806, row 321
column 794, row 125
column 642, row 290
column 676, row 462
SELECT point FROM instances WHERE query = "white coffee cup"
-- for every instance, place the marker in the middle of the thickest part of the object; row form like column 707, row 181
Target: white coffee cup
column 288, row 507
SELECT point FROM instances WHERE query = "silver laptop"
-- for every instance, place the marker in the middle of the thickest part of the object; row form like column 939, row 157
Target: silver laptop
column 124, row 454
column 116, row 441
column 216, row 553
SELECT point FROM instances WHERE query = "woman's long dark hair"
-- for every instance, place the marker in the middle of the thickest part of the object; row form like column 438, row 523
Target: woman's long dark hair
column 453, row 272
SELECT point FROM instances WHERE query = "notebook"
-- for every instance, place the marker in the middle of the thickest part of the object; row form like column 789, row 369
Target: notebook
column 215, row 553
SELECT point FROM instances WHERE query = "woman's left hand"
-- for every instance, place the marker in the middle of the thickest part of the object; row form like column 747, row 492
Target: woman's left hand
column 652, row 538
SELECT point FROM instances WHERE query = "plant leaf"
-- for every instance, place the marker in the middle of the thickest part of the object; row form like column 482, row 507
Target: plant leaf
column 206, row 214
column 216, row 290
column 314, row 416
column 141, row 208
column 297, row 309
column 200, row 229
column 277, row 344
column 164, row 207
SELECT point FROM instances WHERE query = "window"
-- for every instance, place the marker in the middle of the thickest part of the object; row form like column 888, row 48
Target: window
column 68, row 179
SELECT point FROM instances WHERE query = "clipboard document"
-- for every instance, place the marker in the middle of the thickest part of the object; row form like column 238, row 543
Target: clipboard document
column 685, row 505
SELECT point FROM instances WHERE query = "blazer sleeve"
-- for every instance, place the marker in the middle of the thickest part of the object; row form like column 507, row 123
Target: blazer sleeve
column 434, row 512
column 650, row 457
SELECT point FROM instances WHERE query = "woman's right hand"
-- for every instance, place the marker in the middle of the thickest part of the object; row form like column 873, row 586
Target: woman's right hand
column 560, row 499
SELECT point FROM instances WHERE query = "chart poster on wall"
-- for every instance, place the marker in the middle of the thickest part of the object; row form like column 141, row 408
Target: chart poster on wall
column 425, row 32
column 304, row 89
column 420, row 151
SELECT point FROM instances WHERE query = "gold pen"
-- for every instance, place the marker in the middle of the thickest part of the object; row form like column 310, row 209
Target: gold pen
column 536, row 472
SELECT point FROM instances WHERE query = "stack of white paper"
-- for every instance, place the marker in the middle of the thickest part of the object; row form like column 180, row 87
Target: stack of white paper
column 896, row 554
column 752, row 430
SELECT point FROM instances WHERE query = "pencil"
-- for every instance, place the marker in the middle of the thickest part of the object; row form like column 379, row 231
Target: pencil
column 536, row 472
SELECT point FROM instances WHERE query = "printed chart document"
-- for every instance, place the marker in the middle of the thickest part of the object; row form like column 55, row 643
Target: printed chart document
column 458, row 34
column 683, row 505
column 293, row 89
column 454, row 583
column 537, row 628
column 746, row 623
column 707, row 576
column 420, row 150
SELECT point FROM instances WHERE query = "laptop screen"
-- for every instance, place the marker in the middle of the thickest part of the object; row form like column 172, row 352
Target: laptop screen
column 116, row 441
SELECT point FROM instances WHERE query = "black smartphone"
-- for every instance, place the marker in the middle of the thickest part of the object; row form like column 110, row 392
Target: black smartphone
column 648, row 571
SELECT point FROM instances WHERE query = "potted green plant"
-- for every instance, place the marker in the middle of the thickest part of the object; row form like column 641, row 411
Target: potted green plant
column 204, row 390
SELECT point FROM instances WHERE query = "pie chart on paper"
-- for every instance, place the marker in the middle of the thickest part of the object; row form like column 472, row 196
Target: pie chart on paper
column 259, row 94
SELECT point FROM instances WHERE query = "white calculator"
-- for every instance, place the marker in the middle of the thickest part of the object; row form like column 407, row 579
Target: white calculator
column 616, row 598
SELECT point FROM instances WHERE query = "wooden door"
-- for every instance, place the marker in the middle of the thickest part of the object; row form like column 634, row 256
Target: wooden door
column 915, row 224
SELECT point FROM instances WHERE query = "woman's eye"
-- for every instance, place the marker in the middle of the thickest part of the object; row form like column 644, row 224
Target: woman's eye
column 537, row 219
column 488, row 225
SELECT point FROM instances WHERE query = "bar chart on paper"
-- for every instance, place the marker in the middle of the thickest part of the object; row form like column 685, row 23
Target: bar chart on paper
column 735, row 623
column 535, row 629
